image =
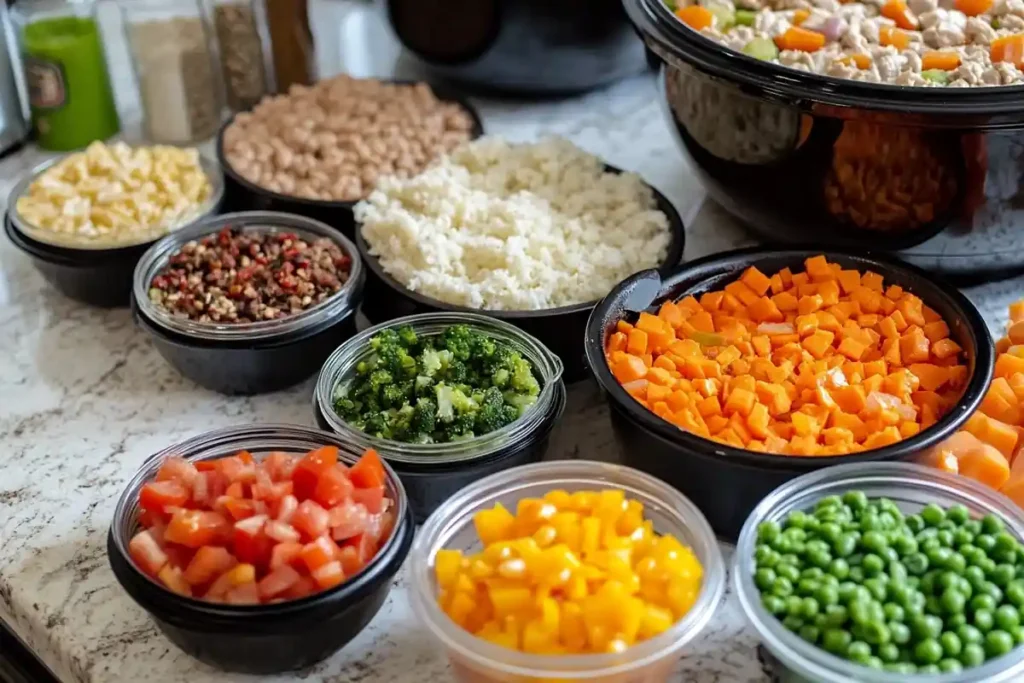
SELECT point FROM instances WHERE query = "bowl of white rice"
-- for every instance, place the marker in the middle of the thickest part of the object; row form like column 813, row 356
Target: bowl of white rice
column 535, row 234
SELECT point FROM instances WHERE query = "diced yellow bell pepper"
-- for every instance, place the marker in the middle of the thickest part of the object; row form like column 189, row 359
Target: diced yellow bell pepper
column 510, row 601
column 493, row 525
column 460, row 608
column 591, row 541
column 447, row 564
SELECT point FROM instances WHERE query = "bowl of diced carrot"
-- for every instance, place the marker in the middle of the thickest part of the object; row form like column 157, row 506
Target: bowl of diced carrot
column 745, row 369
column 566, row 570
column 263, row 548
column 987, row 448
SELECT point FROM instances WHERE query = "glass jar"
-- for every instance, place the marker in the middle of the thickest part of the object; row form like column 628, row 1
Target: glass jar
column 69, row 91
column 178, row 86
column 239, row 27
column 291, row 43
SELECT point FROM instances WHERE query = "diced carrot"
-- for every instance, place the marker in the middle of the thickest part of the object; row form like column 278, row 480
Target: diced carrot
column 617, row 342
column 818, row 343
column 756, row 280
column 629, row 369
column 636, row 342
column 1008, row 49
column 973, row 8
column 1008, row 364
column 852, row 349
column 985, row 464
column 945, row 348
column 796, row 38
column 696, row 17
column 861, row 61
column 944, row 61
column 623, row 326
column 932, row 376
column 898, row 11
column 888, row 35
column 800, row 16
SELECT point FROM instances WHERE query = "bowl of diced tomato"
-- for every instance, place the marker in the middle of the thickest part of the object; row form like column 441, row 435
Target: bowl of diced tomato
column 262, row 548
column 745, row 369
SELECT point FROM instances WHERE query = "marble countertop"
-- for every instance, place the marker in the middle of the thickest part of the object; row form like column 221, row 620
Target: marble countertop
column 84, row 399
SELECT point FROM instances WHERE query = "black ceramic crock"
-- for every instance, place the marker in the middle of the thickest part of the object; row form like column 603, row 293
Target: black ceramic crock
column 531, row 47
column 243, row 195
column 260, row 639
column 770, row 144
column 249, row 358
column 725, row 482
column 560, row 329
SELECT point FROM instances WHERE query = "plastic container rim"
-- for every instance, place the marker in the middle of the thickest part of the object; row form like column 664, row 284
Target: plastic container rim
column 453, row 515
column 814, row 661
column 340, row 364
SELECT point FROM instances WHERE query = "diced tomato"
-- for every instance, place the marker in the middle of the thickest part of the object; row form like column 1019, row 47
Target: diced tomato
column 285, row 508
column 282, row 532
column 235, row 490
column 372, row 499
column 208, row 563
column 173, row 580
column 308, row 470
column 318, row 553
column 246, row 457
column 368, row 473
column 301, row 588
column 333, row 487
column 177, row 469
column 271, row 492
column 151, row 518
column 246, row 594
column 310, row 519
column 329, row 575
column 365, row 546
column 237, row 576
column 347, row 520
column 196, row 528
column 251, row 544
column 158, row 495
column 207, row 465
column 349, row 558
column 278, row 581
column 237, row 508
column 237, row 470
column 285, row 553
column 178, row 555
column 279, row 465
column 147, row 553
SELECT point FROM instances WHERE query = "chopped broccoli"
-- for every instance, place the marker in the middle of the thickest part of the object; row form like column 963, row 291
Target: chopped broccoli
column 451, row 386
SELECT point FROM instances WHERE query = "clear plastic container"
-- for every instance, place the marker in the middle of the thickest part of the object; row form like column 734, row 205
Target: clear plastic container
column 909, row 486
column 172, row 53
column 477, row 661
column 240, row 27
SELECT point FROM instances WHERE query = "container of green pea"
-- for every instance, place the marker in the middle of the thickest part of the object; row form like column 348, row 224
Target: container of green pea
column 885, row 573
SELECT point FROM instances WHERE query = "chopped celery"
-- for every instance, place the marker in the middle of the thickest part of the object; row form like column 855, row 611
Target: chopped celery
column 725, row 15
column 936, row 76
column 761, row 48
column 745, row 17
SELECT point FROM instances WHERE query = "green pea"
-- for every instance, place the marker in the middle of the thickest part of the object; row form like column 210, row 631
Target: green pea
column 844, row 545
column 958, row 513
column 956, row 562
column 859, row 651
column 916, row 563
column 839, row 568
column 860, row 612
column 914, row 523
column 774, row 604
column 782, row 586
column 1007, row 618
column 953, row 601
column 764, row 578
column 893, row 612
column 889, row 652
column 831, row 502
column 986, row 542
column 951, row 644
column 790, row 559
column 987, row 564
column 928, row 651
column 899, row 632
column 998, row 643
column 768, row 531
column 947, row 580
column 812, row 573
column 788, row 571
column 933, row 605
column 819, row 558
column 1003, row 574
column 810, row 633
column 970, row 634
column 782, row 544
column 827, row 595
column 793, row 623
column 1005, row 541
column 926, row 626
column 1015, row 592
column 856, row 574
column 976, row 577
column 983, row 620
column 795, row 606
column 973, row 525
column 932, row 514
column 836, row 641
column 873, row 564
column 876, row 632
column 938, row 557
column 991, row 524
column 945, row 538
column 829, row 531
column 765, row 557
column 992, row 590
column 950, row 666
column 821, row 621
column 901, row 594
column 836, row 615
column 810, row 607
column 962, row 537
column 955, row 621
column 807, row 586
column 1018, row 635
column 972, row 655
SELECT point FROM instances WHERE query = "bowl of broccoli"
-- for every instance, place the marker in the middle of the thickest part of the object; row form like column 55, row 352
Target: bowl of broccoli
column 446, row 398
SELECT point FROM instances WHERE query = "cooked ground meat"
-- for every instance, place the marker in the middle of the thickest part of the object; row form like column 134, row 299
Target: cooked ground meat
column 244, row 277
column 954, row 43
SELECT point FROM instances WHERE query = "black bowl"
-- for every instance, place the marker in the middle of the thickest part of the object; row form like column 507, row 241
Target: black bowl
column 520, row 46
column 243, row 195
column 260, row 639
column 769, row 144
column 98, row 277
column 725, row 482
column 228, row 359
column 430, row 485
column 560, row 329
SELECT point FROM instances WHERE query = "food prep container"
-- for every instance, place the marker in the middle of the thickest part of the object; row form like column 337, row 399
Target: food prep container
column 726, row 482
column 911, row 487
column 560, row 329
column 477, row 661
column 98, row 276
column 766, row 141
column 243, row 195
column 248, row 358
column 260, row 639
column 433, row 472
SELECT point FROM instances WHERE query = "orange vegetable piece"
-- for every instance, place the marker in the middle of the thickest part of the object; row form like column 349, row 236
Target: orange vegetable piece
column 636, row 343
column 796, row 38
column 985, row 464
column 861, row 61
column 944, row 61
column 973, row 8
column 696, row 17
column 1008, row 49
column 756, row 280
column 630, row 368
column 1008, row 364
column 898, row 11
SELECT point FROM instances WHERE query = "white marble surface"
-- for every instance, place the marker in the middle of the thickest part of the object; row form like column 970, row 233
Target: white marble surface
column 84, row 399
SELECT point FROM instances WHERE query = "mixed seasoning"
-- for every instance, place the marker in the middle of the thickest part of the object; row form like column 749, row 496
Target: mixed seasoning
column 240, row 276
column 452, row 386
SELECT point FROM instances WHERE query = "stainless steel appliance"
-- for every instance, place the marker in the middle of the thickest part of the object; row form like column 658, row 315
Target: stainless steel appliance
column 13, row 122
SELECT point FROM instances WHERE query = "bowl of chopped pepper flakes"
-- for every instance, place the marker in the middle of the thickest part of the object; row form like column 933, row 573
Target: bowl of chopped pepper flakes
column 570, row 570
column 249, row 302
column 748, row 368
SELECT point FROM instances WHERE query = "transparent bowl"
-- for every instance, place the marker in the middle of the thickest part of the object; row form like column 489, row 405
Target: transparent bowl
column 260, row 638
column 451, row 526
column 911, row 487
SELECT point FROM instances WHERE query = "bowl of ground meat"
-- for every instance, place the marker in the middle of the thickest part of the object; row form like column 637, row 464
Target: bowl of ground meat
column 249, row 302
column 893, row 124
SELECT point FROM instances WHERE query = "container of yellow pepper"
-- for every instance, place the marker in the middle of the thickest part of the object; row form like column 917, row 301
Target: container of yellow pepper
column 566, row 570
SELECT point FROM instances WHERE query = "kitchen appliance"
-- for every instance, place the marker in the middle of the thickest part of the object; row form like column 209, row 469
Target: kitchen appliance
column 13, row 120
column 772, row 145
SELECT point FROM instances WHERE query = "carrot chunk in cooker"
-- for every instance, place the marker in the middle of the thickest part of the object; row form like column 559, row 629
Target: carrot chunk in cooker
column 898, row 11
column 696, row 17
column 945, row 61
column 796, row 38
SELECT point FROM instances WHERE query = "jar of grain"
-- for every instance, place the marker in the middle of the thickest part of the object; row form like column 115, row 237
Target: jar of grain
column 291, row 43
column 179, row 89
column 240, row 27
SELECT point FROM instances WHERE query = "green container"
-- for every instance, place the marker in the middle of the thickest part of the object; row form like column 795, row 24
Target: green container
column 69, row 89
